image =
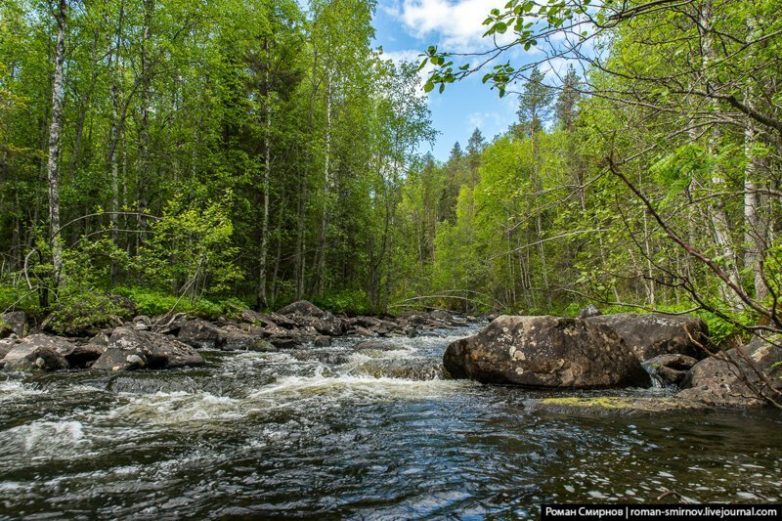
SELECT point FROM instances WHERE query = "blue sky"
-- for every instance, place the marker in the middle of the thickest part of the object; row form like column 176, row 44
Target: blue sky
column 404, row 28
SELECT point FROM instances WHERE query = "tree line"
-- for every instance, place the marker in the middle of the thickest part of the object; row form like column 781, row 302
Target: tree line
column 249, row 147
column 657, row 184
column 264, row 150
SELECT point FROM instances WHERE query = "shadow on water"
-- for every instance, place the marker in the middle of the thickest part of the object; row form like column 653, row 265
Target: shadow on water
column 334, row 433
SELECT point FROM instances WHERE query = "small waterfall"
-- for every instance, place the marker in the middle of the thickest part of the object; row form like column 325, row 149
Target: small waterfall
column 654, row 376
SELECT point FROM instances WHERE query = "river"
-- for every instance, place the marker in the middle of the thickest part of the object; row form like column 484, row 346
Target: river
column 332, row 433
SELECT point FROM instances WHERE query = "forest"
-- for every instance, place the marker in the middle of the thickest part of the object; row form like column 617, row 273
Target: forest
column 254, row 265
column 210, row 156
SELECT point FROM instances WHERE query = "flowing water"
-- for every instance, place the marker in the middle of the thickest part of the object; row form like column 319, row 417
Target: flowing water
column 333, row 433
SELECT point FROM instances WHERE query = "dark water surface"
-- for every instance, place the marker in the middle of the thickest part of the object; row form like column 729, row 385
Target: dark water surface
column 331, row 434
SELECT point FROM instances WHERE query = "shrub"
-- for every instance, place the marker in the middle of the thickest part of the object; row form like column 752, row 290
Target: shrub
column 20, row 299
column 86, row 313
column 351, row 302
column 154, row 303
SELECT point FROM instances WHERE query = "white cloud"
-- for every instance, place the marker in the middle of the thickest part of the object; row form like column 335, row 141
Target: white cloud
column 457, row 23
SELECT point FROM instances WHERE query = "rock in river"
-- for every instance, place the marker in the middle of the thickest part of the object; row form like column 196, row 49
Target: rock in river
column 546, row 352
column 132, row 349
column 738, row 376
column 650, row 335
column 14, row 322
column 38, row 352
column 667, row 370
column 306, row 314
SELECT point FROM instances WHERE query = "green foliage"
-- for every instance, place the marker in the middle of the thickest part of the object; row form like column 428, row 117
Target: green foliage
column 350, row 302
column 190, row 250
column 686, row 164
column 16, row 298
column 85, row 313
column 152, row 303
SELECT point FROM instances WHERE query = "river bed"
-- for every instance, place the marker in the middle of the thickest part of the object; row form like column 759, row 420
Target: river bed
column 334, row 433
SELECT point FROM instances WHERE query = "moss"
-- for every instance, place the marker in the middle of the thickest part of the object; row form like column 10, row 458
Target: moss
column 606, row 402
column 616, row 405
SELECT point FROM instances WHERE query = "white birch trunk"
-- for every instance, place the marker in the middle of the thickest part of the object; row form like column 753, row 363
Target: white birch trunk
column 58, row 96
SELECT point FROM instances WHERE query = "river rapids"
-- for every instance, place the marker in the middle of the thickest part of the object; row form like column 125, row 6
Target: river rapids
column 341, row 433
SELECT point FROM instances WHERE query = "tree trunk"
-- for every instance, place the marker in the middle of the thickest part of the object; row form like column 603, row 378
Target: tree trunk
column 755, row 226
column 58, row 96
column 538, row 187
column 115, row 131
column 718, row 215
column 323, row 239
column 142, row 177
column 267, row 163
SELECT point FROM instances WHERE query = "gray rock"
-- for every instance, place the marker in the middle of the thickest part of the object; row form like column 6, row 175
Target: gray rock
column 376, row 345
column 737, row 377
column 441, row 315
column 545, row 352
column 169, row 325
column 37, row 352
column 206, row 335
column 101, row 339
column 419, row 369
column 120, row 360
column 322, row 341
column 130, row 349
column 362, row 331
column 650, row 335
column 15, row 323
column 200, row 334
column 142, row 323
column 589, row 311
column 306, row 314
column 84, row 355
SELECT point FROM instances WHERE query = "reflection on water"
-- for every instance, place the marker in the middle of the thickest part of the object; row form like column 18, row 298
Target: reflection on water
column 332, row 433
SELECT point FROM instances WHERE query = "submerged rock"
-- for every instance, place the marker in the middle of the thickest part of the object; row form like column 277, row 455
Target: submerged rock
column 546, row 352
column 612, row 405
column 376, row 345
column 650, row 335
column 420, row 369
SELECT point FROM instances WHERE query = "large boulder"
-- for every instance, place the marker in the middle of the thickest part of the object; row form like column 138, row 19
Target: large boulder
column 545, row 352
column 14, row 322
column 737, row 377
column 130, row 349
column 200, row 334
column 306, row 314
column 650, row 335
column 38, row 352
